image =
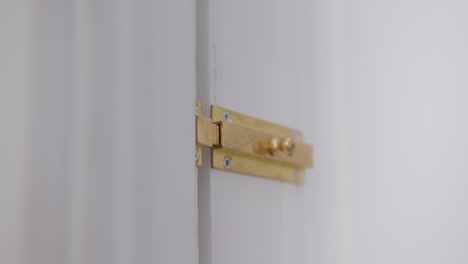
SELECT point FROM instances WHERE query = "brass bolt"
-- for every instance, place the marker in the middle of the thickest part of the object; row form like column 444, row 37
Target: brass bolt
column 197, row 155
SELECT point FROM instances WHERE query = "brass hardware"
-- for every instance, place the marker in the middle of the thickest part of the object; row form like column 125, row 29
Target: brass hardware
column 248, row 145
column 252, row 142
column 287, row 146
column 198, row 131
column 272, row 146
column 276, row 147
column 205, row 132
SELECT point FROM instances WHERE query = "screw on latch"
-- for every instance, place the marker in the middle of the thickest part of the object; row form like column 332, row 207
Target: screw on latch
column 227, row 117
column 227, row 162
column 197, row 155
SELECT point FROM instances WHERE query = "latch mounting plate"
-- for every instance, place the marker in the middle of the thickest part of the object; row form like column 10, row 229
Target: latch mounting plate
column 248, row 145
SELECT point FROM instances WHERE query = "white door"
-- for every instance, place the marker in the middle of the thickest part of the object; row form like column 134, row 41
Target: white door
column 268, row 59
column 380, row 90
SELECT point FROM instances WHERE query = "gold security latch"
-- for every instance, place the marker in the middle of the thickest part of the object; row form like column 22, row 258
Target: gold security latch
column 247, row 145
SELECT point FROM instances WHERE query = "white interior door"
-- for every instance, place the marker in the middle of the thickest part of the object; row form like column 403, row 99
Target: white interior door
column 265, row 59
column 379, row 89
column 406, row 77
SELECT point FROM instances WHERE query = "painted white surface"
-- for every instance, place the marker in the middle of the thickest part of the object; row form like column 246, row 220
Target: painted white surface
column 274, row 60
column 407, row 102
column 379, row 88
column 87, row 173
column 97, row 147
column 15, row 89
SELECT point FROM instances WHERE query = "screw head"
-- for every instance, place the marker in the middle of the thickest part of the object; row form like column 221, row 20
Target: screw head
column 227, row 117
column 197, row 155
column 227, row 162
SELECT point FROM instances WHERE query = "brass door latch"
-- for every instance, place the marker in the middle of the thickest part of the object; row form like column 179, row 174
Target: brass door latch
column 248, row 145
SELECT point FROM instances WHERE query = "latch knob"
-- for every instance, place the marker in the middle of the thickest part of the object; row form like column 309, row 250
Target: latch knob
column 285, row 145
column 272, row 146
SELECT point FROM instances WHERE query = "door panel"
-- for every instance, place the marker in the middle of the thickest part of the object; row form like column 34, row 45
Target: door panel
column 407, row 111
column 379, row 89
column 257, row 58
